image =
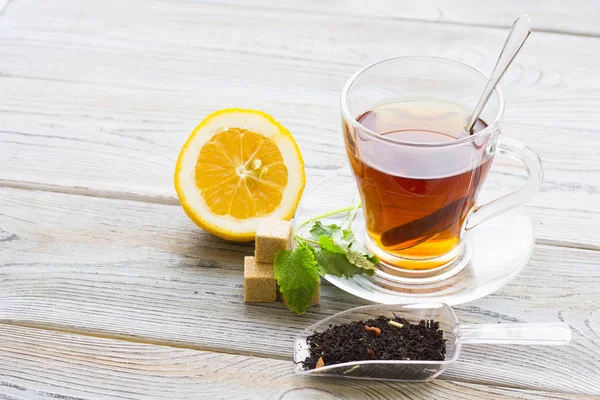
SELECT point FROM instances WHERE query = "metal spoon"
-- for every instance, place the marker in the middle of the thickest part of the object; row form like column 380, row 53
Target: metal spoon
column 517, row 36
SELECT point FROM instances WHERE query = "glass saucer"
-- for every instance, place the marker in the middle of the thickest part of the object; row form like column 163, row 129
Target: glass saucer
column 494, row 252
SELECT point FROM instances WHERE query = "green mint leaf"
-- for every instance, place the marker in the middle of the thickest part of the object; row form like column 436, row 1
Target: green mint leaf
column 360, row 260
column 337, row 264
column 349, row 240
column 337, row 245
column 319, row 230
column 372, row 258
column 322, row 270
column 348, row 237
column 320, row 267
column 340, row 254
column 296, row 272
column 327, row 243
column 360, row 248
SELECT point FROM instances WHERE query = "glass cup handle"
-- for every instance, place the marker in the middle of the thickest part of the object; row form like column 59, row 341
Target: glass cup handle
column 533, row 334
column 535, row 175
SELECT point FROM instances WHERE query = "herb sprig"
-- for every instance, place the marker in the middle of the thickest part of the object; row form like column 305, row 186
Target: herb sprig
column 333, row 250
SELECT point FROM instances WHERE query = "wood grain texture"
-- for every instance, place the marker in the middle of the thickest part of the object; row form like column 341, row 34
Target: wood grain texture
column 38, row 364
column 95, row 102
column 107, row 111
column 144, row 272
column 553, row 16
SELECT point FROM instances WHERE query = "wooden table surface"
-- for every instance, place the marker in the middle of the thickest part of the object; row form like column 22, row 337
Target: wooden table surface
column 107, row 289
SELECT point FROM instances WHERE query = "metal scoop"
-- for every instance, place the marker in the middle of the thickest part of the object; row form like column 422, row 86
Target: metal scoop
column 455, row 333
column 517, row 36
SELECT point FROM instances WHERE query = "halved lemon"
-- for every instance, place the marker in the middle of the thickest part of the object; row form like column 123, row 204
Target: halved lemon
column 236, row 168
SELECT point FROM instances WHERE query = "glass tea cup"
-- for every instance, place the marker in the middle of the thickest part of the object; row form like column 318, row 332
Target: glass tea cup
column 455, row 333
column 418, row 175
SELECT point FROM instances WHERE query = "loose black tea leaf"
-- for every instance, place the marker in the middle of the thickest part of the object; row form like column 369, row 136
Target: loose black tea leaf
column 377, row 339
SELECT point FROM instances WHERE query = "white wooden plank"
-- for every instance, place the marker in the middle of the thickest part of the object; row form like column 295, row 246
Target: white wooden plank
column 91, row 273
column 89, row 119
column 144, row 272
column 246, row 70
column 112, row 146
column 38, row 364
column 579, row 17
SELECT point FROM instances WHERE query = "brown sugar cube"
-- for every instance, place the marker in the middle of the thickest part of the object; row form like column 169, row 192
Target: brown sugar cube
column 272, row 235
column 259, row 282
column 315, row 300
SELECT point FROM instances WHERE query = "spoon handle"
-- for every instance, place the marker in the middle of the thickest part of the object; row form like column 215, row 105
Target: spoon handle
column 519, row 32
column 531, row 334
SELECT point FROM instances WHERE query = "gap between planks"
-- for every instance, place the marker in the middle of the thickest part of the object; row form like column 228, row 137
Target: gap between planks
column 172, row 201
column 85, row 191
